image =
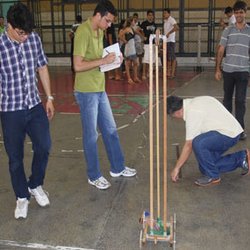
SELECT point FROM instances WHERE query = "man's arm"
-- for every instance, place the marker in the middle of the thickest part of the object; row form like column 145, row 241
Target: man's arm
column 44, row 77
column 80, row 64
column 175, row 28
column 185, row 153
column 219, row 57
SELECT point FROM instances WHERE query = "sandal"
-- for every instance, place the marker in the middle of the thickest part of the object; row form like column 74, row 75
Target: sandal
column 130, row 81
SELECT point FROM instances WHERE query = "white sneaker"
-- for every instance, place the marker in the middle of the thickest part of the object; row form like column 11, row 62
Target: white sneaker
column 127, row 172
column 21, row 210
column 100, row 183
column 40, row 196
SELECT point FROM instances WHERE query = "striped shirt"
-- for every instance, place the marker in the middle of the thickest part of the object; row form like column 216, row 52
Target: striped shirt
column 18, row 72
column 237, row 44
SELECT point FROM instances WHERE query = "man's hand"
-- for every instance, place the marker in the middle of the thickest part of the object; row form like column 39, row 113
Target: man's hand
column 50, row 109
column 175, row 174
column 109, row 58
column 218, row 75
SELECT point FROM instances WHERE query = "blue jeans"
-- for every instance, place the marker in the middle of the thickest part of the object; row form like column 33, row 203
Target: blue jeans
column 15, row 126
column 96, row 111
column 239, row 82
column 209, row 149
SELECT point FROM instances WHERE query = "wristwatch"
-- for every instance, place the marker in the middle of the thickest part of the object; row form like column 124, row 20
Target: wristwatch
column 50, row 97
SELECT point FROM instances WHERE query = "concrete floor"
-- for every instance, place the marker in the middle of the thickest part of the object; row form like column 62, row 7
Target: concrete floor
column 82, row 217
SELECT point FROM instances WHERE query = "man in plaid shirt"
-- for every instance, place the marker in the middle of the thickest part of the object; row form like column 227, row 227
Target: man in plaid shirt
column 21, row 110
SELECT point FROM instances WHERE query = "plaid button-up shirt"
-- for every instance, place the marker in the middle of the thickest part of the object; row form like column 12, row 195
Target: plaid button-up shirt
column 18, row 72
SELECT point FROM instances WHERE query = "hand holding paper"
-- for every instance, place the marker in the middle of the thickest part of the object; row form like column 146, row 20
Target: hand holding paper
column 108, row 51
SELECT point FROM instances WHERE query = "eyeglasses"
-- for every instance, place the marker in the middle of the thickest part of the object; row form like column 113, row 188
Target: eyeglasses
column 108, row 21
column 21, row 33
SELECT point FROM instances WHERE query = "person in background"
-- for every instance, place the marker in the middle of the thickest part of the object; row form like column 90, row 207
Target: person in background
column 149, row 27
column 228, row 12
column 136, row 17
column 21, row 110
column 122, row 42
column 139, row 40
column 210, row 131
column 72, row 35
column 2, row 28
column 170, row 27
column 111, row 39
column 235, row 40
column 131, row 61
column 92, row 99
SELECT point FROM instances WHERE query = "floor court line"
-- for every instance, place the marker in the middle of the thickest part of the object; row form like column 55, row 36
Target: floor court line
column 37, row 246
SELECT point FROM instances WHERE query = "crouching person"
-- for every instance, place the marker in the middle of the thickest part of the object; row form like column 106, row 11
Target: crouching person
column 210, row 131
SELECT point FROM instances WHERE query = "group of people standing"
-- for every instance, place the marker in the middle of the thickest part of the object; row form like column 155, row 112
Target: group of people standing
column 211, row 129
column 133, row 38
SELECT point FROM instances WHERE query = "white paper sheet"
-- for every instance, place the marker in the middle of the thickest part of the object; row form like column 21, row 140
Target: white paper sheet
column 116, row 64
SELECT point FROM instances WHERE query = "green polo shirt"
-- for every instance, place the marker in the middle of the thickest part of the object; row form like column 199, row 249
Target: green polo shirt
column 2, row 29
column 89, row 45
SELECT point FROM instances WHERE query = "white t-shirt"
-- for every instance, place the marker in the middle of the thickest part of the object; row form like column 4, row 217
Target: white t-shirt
column 168, row 26
column 231, row 20
column 205, row 113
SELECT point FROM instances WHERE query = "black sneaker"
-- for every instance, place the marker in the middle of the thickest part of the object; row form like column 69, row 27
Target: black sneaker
column 243, row 136
column 206, row 181
column 246, row 163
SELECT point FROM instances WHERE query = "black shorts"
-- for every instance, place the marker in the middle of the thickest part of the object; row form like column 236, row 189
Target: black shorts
column 171, row 51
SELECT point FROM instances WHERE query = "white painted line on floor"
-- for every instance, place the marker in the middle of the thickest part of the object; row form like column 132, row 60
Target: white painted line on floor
column 38, row 246
column 69, row 113
column 121, row 127
column 67, row 151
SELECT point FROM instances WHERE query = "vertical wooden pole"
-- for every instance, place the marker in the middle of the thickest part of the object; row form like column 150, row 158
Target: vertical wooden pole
column 165, row 191
column 157, row 41
column 151, row 127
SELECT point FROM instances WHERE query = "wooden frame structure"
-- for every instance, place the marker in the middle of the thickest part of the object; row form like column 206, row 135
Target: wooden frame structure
column 157, row 229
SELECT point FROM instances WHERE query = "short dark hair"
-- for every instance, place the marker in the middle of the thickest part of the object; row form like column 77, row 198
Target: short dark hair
column 174, row 103
column 20, row 17
column 104, row 7
column 79, row 18
column 168, row 10
column 150, row 12
column 228, row 10
column 240, row 5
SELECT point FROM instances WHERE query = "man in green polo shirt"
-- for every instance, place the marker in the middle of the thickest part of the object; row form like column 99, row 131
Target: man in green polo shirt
column 92, row 99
